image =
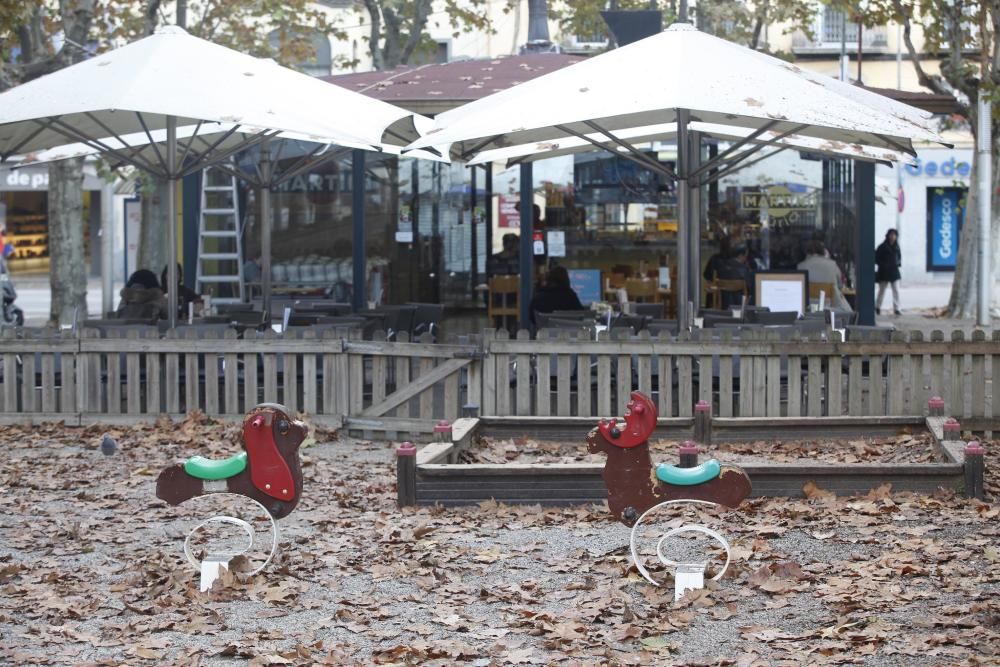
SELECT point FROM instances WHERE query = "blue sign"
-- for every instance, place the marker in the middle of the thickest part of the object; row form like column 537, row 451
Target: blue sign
column 587, row 285
column 945, row 168
column 945, row 214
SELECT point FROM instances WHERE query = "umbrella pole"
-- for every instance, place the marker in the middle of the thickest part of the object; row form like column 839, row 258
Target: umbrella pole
column 683, row 228
column 107, row 249
column 695, row 212
column 171, row 286
column 265, row 227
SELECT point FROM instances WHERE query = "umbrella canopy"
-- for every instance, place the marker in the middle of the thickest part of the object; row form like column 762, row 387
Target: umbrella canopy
column 134, row 89
column 171, row 80
column 648, row 82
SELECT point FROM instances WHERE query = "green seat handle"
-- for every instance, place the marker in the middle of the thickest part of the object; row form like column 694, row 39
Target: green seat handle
column 201, row 468
column 675, row 476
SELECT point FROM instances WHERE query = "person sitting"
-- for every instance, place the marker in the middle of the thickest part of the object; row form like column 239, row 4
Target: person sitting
column 555, row 294
column 185, row 294
column 822, row 269
column 715, row 262
column 507, row 262
column 737, row 267
column 142, row 298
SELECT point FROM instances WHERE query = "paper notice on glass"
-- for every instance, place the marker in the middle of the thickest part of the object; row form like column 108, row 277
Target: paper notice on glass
column 781, row 294
column 557, row 243
column 404, row 236
column 664, row 277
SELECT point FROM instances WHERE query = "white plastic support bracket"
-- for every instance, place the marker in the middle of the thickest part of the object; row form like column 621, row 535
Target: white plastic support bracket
column 688, row 576
column 211, row 569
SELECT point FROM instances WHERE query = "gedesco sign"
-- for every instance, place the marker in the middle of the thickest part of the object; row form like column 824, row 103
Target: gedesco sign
column 949, row 168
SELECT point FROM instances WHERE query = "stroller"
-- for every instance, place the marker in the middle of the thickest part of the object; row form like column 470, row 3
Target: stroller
column 9, row 313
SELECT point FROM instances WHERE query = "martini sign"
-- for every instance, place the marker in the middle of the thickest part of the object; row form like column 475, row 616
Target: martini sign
column 781, row 204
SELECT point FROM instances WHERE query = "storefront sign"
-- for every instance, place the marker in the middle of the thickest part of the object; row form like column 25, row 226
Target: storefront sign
column 945, row 214
column 36, row 179
column 939, row 168
column 509, row 215
column 310, row 183
column 587, row 285
column 779, row 202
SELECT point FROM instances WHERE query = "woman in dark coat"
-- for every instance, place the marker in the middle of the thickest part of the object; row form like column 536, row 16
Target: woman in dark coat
column 142, row 298
column 556, row 294
column 888, row 260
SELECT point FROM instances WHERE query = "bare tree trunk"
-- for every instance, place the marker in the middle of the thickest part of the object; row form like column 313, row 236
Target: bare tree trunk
column 962, row 302
column 67, row 264
column 67, row 270
column 964, row 291
column 153, row 231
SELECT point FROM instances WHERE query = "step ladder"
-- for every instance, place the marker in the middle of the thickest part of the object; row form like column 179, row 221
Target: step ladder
column 220, row 250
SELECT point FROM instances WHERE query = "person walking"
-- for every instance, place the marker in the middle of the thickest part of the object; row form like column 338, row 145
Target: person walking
column 888, row 260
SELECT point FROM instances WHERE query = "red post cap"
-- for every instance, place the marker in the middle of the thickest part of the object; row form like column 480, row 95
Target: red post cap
column 935, row 402
column 406, row 449
column 952, row 427
column 688, row 447
column 702, row 406
column 974, row 449
column 443, row 426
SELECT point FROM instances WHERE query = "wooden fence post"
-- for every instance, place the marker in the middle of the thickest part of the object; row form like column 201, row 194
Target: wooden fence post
column 406, row 475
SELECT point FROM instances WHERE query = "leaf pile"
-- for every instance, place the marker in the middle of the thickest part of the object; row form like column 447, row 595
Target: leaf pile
column 902, row 448
column 91, row 572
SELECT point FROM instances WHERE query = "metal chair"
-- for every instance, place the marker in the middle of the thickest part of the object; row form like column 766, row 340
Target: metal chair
column 654, row 310
column 767, row 317
column 426, row 319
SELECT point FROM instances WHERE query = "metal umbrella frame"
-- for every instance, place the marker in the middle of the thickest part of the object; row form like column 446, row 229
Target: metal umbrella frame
column 263, row 173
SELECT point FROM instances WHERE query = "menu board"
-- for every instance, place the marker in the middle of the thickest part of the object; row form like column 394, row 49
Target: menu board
column 783, row 291
column 587, row 285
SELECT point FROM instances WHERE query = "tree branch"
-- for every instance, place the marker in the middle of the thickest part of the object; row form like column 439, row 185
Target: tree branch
column 421, row 11
column 937, row 84
column 150, row 18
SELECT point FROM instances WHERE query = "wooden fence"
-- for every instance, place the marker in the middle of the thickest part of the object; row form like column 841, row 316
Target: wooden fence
column 758, row 375
column 405, row 386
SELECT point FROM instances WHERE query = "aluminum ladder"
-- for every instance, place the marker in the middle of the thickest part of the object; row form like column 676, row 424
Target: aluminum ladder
column 220, row 250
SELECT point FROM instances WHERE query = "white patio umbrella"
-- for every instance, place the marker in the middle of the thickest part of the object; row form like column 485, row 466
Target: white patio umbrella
column 172, row 79
column 678, row 76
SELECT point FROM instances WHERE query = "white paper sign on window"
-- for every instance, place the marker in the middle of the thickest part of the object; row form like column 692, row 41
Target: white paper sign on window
column 557, row 243
column 781, row 293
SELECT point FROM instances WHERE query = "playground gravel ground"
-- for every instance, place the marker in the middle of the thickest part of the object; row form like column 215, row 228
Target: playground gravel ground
column 92, row 572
